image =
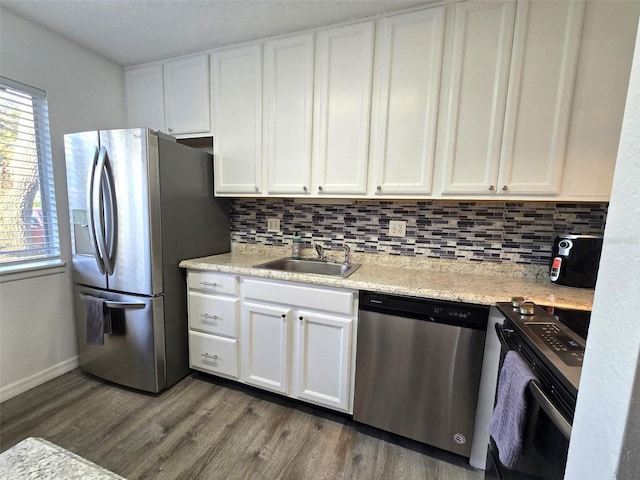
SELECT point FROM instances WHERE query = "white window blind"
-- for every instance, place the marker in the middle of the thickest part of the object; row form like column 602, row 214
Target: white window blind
column 28, row 220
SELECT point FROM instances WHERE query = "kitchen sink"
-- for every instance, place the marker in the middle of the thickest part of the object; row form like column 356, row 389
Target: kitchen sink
column 318, row 267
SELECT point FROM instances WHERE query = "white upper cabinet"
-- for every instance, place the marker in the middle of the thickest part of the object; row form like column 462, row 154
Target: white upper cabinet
column 288, row 114
column 237, row 119
column 186, row 95
column 172, row 97
column 476, row 96
column 343, row 76
column 543, row 67
column 145, row 97
column 406, row 90
column 604, row 66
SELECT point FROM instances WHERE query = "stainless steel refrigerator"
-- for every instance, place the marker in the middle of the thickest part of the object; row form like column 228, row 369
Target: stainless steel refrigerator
column 139, row 203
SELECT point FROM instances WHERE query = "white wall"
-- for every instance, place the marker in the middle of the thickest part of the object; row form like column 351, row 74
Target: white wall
column 608, row 413
column 85, row 92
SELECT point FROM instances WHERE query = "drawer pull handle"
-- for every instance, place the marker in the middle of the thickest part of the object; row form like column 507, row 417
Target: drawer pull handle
column 206, row 355
column 209, row 284
column 211, row 317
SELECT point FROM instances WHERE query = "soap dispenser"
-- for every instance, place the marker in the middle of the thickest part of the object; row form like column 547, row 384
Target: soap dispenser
column 295, row 247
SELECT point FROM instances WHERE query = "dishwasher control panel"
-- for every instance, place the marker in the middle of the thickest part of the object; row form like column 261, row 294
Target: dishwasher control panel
column 440, row 311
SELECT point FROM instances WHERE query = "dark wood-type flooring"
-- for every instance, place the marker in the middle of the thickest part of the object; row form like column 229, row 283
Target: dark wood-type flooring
column 208, row 428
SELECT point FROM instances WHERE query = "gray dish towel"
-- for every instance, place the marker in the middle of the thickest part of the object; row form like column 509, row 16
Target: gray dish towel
column 509, row 415
column 95, row 319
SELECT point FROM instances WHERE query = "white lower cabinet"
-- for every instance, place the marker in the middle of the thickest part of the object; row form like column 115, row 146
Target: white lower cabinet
column 322, row 359
column 289, row 338
column 214, row 313
column 299, row 340
column 265, row 353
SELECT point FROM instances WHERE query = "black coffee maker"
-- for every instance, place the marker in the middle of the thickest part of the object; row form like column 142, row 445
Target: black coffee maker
column 575, row 260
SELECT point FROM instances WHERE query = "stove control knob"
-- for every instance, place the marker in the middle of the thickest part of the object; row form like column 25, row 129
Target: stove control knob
column 516, row 301
column 526, row 308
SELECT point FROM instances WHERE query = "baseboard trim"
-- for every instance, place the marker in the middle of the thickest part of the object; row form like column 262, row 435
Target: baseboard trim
column 39, row 378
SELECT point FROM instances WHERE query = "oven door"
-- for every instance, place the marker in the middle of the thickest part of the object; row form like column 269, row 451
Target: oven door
column 547, row 430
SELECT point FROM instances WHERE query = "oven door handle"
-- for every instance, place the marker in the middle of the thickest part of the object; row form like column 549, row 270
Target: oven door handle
column 550, row 409
column 543, row 400
column 500, row 331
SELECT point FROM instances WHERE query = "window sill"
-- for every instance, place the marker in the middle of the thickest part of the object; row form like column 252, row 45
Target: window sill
column 40, row 269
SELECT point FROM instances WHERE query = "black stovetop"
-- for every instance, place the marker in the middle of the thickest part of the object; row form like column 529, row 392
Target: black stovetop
column 558, row 347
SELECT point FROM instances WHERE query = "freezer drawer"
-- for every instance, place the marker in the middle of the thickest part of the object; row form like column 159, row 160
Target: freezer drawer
column 134, row 354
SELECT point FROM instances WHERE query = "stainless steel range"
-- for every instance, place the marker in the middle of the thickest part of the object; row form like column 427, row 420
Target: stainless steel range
column 555, row 354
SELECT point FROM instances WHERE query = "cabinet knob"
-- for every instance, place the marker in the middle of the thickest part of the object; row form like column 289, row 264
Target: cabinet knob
column 256, row 188
column 304, row 189
column 170, row 129
column 492, row 188
column 301, row 318
column 505, row 188
column 284, row 315
column 319, row 188
column 379, row 188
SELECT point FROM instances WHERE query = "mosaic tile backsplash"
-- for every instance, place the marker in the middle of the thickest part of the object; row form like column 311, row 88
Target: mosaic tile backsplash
column 480, row 231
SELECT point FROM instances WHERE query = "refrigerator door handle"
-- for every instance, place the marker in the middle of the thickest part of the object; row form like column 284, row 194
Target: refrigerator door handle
column 93, row 234
column 98, row 208
column 122, row 305
column 125, row 305
column 111, row 226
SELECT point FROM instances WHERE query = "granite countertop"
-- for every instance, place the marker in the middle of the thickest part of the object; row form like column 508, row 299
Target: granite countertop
column 37, row 458
column 483, row 283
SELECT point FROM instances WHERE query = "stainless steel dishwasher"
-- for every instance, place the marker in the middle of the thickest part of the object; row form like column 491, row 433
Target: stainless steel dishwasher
column 418, row 366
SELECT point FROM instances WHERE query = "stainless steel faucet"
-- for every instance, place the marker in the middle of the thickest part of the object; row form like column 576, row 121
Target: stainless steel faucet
column 347, row 251
column 320, row 250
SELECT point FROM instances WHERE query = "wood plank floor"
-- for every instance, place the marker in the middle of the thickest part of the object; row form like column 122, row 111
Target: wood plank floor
column 208, row 428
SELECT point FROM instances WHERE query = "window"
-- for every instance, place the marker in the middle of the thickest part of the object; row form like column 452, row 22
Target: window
column 28, row 220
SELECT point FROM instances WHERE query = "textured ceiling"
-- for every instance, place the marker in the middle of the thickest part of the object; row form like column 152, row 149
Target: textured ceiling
column 130, row 32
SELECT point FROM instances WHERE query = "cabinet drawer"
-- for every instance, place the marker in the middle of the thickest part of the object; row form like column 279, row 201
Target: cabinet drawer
column 217, row 315
column 338, row 301
column 213, row 354
column 213, row 282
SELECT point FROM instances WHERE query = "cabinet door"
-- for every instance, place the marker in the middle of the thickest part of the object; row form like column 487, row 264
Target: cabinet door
column 265, row 346
column 186, row 95
column 322, row 362
column 543, row 67
column 405, row 102
column 288, row 113
column 344, row 61
column 237, row 119
column 602, row 80
column 145, row 97
column 476, row 95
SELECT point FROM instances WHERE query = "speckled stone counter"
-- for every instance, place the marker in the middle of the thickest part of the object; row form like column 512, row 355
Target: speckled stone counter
column 35, row 458
column 483, row 283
